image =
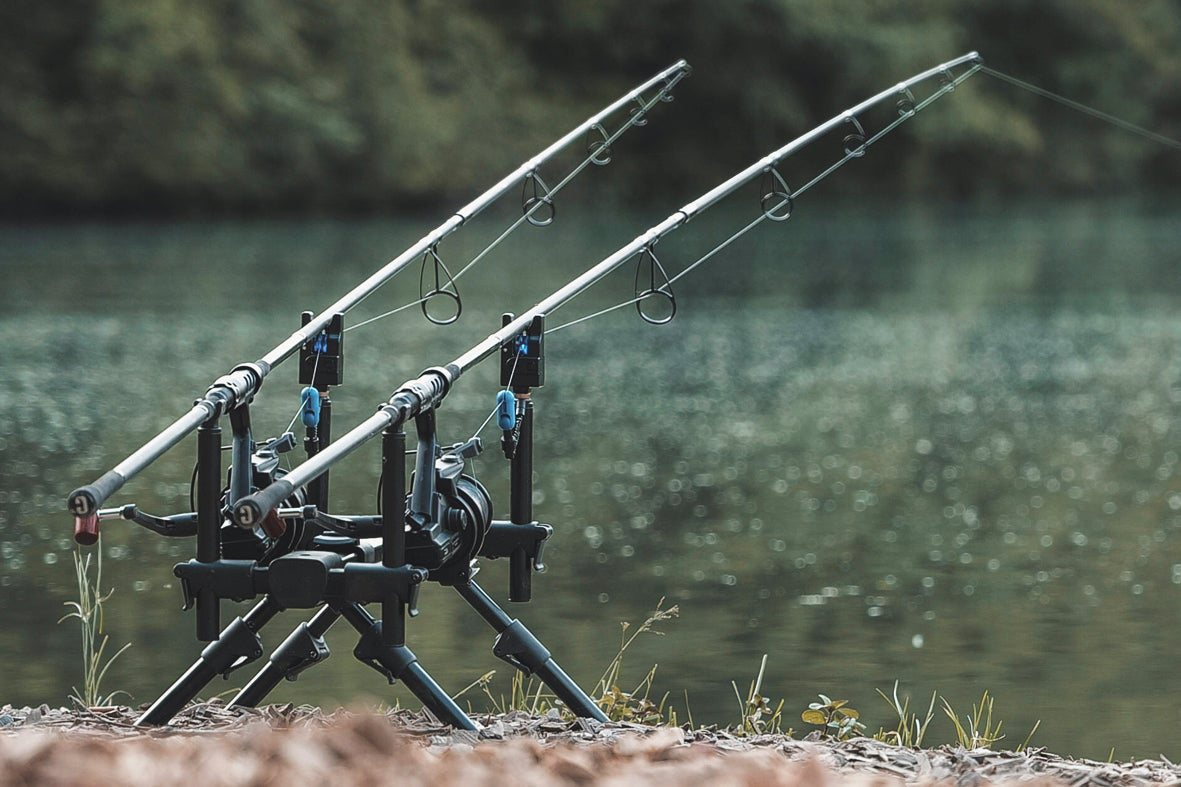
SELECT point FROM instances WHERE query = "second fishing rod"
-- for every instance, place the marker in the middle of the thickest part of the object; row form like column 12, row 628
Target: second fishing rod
column 777, row 201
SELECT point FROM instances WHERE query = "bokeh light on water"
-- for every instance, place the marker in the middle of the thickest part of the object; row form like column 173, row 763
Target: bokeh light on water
column 928, row 444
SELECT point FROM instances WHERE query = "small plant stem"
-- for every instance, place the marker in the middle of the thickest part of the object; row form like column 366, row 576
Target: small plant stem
column 759, row 680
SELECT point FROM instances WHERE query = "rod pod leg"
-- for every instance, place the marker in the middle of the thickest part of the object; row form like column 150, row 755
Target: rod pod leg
column 208, row 524
column 396, row 662
column 517, row 645
column 303, row 648
column 238, row 644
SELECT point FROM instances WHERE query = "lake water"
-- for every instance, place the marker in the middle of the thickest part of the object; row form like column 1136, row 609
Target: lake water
column 927, row 443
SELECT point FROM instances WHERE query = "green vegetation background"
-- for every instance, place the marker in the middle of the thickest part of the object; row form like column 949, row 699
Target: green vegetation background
column 219, row 106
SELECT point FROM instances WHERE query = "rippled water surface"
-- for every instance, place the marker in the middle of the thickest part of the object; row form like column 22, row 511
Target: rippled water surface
column 932, row 444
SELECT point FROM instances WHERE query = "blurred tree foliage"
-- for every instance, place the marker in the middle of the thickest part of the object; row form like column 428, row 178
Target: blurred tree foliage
column 253, row 105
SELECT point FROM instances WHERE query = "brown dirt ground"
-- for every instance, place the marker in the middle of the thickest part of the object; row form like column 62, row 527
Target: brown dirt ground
column 210, row 745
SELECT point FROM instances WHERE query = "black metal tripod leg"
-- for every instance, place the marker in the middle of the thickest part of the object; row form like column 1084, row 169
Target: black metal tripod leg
column 238, row 644
column 517, row 645
column 396, row 662
column 305, row 647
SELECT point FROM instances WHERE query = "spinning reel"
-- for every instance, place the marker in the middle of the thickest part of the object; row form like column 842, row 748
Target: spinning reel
column 273, row 535
column 459, row 515
column 450, row 527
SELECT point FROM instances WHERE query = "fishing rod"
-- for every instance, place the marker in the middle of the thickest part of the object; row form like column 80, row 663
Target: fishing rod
column 426, row 391
column 237, row 387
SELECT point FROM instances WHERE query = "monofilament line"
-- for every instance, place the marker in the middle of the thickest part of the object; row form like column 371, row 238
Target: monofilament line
column 401, row 308
column 1152, row 136
column 700, row 261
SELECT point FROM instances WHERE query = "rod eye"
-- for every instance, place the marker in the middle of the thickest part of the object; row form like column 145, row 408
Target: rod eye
column 598, row 145
column 656, row 287
column 906, row 102
column 855, row 139
column 448, row 296
column 537, row 199
column 777, row 201
column 444, row 286
column 652, row 316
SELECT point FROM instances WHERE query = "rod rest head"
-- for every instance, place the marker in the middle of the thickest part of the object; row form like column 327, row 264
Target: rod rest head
column 236, row 388
column 504, row 538
column 421, row 393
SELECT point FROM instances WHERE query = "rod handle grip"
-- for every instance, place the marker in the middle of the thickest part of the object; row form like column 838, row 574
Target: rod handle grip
column 250, row 511
column 85, row 500
column 86, row 530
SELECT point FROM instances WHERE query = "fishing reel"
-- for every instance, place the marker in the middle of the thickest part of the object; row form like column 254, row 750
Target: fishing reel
column 448, row 513
column 272, row 535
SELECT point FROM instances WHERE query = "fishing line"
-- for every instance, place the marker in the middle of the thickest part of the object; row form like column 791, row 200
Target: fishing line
column 1152, row 136
column 402, row 308
column 599, row 313
column 856, row 144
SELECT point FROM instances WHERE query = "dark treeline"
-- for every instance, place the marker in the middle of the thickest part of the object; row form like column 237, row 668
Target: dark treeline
column 337, row 105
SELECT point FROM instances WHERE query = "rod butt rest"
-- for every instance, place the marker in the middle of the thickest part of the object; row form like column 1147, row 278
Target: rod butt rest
column 272, row 525
column 86, row 530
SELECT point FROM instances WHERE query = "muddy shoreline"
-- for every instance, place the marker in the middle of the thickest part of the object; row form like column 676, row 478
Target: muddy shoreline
column 291, row 745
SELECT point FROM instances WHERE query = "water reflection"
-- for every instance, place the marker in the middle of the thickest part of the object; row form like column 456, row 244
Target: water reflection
column 901, row 442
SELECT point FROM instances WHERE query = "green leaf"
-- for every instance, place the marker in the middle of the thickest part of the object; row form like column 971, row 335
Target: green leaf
column 813, row 716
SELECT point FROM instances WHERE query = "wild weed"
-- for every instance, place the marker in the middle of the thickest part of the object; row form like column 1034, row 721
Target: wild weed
column 973, row 731
column 977, row 730
column 910, row 730
column 635, row 705
column 88, row 609
column 756, row 706
column 836, row 719
column 532, row 696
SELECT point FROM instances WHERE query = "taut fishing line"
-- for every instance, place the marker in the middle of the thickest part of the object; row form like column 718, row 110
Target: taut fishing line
column 1151, row 136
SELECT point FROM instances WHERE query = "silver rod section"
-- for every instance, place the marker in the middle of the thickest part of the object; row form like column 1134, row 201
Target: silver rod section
column 759, row 167
column 429, row 389
column 243, row 382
